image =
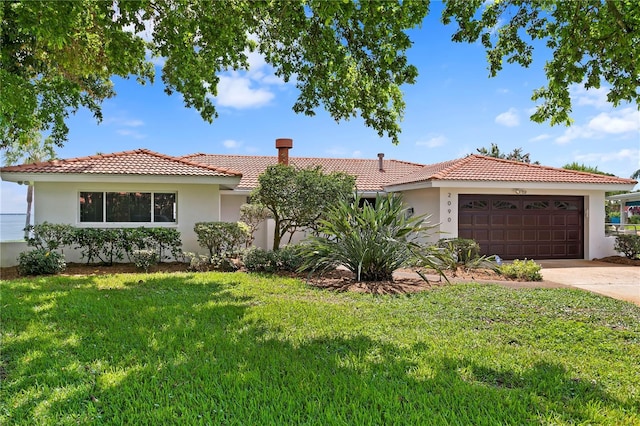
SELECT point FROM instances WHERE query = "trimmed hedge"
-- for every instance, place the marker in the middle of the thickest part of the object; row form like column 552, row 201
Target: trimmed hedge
column 107, row 245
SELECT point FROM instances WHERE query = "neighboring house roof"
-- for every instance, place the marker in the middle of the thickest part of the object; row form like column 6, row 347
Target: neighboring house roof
column 369, row 178
column 137, row 162
column 482, row 168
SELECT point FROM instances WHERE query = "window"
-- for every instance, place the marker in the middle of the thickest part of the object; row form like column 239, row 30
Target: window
column 474, row 205
column 127, row 207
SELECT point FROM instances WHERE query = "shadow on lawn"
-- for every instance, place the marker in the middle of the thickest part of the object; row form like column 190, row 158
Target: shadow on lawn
column 171, row 351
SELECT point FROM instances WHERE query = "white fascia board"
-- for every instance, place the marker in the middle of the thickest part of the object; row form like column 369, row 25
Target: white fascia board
column 228, row 181
column 366, row 194
column 511, row 185
column 236, row 191
column 632, row 196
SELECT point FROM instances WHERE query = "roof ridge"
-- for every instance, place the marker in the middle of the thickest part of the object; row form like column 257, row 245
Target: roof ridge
column 301, row 158
column 542, row 166
column 454, row 164
column 187, row 162
column 123, row 154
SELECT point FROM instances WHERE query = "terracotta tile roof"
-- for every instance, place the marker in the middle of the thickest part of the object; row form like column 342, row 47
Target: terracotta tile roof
column 137, row 162
column 368, row 175
column 482, row 168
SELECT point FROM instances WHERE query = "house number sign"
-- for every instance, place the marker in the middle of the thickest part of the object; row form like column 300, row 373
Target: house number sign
column 449, row 207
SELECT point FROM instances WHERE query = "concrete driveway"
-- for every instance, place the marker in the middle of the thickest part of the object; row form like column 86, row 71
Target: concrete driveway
column 609, row 279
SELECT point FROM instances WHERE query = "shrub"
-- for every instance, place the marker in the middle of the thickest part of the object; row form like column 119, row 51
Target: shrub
column 371, row 241
column 40, row 262
column 527, row 270
column 49, row 236
column 629, row 245
column 222, row 239
column 144, row 259
column 197, row 262
column 289, row 258
column 463, row 249
column 224, row 264
column 259, row 260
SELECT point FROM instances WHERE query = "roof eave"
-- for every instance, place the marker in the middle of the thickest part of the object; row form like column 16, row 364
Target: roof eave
column 228, row 181
column 438, row 183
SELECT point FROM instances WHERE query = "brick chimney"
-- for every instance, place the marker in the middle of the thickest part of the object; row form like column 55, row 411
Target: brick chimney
column 283, row 146
column 380, row 163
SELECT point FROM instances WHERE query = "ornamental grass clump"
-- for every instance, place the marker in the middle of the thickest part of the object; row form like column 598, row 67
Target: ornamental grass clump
column 371, row 240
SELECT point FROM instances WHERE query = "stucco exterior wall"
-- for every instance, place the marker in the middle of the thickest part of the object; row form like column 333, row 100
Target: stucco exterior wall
column 230, row 212
column 426, row 202
column 57, row 202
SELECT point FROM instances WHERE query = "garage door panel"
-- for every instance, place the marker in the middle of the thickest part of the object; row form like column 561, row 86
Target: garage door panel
column 544, row 235
column 517, row 226
column 559, row 220
column 573, row 235
column 514, row 235
column 465, row 221
column 543, row 220
column 572, row 220
column 514, row 220
column 498, row 221
column 480, row 220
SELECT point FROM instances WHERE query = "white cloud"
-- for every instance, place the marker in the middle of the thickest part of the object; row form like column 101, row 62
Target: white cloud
column 433, row 142
column 625, row 154
column 622, row 163
column 596, row 98
column 131, row 133
column 541, row 137
column 132, row 123
column 356, row 154
column 624, row 122
column 509, row 118
column 236, row 92
column 230, row 144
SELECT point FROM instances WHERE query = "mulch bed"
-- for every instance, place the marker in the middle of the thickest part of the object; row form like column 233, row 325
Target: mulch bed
column 405, row 281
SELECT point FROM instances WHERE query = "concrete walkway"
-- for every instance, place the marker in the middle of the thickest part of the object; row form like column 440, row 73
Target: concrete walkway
column 609, row 279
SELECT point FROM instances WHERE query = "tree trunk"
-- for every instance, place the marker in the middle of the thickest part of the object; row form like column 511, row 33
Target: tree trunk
column 29, row 205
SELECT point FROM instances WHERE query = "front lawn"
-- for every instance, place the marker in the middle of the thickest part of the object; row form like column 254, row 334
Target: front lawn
column 234, row 348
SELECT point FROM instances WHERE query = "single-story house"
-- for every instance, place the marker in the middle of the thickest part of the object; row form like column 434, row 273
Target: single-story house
column 513, row 209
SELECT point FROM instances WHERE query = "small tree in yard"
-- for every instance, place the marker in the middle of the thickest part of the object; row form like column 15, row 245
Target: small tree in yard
column 297, row 198
column 253, row 215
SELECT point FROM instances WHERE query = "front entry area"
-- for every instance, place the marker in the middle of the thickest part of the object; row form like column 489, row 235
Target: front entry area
column 524, row 226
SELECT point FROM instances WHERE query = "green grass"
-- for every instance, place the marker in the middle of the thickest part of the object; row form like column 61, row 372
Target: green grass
column 247, row 349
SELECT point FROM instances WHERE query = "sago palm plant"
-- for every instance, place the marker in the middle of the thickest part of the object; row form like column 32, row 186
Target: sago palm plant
column 370, row 240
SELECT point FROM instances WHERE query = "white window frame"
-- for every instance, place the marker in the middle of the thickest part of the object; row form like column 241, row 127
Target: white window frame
column 104, row 222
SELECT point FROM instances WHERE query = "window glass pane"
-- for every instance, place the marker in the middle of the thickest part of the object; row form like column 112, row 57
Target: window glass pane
column 504, row 205
column 128, row 207
column 164, row 207
column 474, row 205
column 91, row 206
column 536, row 205
column 566, row 205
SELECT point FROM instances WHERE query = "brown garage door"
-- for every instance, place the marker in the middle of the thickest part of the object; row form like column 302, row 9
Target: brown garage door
column 523, row 226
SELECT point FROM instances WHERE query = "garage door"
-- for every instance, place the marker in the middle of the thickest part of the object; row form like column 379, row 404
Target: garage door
column 521, row 226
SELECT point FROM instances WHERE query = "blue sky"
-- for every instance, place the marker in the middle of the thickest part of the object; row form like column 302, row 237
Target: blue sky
column 453, row 109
